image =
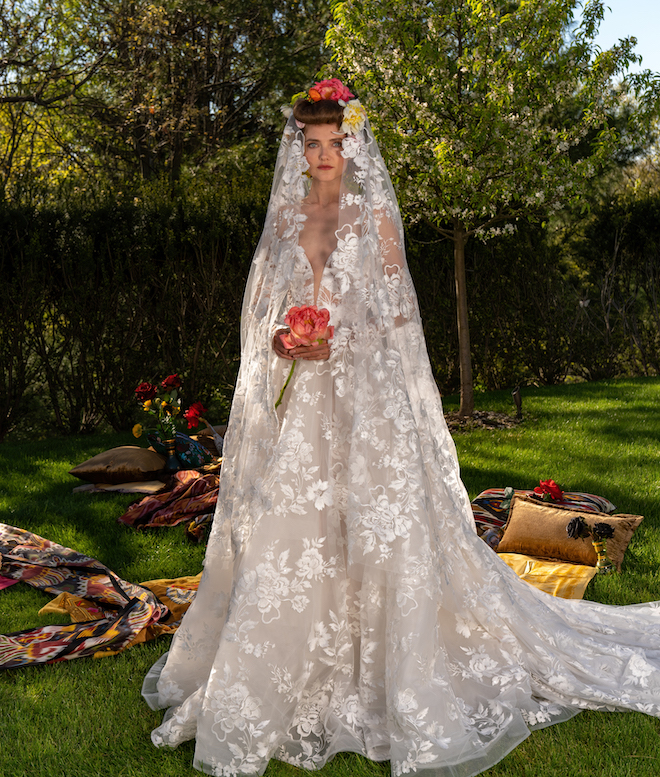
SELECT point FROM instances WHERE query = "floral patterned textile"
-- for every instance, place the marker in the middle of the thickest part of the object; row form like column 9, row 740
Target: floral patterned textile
column 347, row 602
column 123, row 610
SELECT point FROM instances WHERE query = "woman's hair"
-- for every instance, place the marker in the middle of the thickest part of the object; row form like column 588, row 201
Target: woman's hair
column 320, row 112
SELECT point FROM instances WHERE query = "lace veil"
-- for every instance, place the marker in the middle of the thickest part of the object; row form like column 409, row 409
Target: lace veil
column 346, row 602
column 401, row 466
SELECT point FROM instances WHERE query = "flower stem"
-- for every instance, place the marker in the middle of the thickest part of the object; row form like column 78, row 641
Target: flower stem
column 279, row 400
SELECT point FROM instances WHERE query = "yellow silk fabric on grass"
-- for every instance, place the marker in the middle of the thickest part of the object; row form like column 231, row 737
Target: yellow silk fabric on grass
column 568, row 581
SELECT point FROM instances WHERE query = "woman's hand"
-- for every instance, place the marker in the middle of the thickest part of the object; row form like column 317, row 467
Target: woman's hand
column 318, row 352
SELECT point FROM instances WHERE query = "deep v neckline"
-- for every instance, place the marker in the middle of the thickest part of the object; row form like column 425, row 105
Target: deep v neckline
column 315, row 291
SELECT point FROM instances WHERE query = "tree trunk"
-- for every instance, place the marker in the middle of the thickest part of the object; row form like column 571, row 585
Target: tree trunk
column 465, row 360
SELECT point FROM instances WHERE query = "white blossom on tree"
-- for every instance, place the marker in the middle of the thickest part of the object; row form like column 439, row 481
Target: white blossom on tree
column 480, row 106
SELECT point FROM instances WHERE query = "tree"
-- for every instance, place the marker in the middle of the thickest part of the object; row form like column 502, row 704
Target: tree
column 140, row 88
column 483, row 108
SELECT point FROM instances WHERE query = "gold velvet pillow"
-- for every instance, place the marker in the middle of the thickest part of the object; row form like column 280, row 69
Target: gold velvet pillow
column 538, row 529
column 125, row 464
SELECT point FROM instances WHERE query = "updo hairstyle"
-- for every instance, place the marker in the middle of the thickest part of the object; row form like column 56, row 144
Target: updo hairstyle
column 320, row 112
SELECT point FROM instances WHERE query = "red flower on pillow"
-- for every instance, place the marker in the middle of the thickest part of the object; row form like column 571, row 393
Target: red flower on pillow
column 145, row 391
column 193, row 414
column 172, row 382
column 549, row 491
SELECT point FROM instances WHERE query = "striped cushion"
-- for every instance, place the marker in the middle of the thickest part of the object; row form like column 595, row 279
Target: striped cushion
column 488, row 512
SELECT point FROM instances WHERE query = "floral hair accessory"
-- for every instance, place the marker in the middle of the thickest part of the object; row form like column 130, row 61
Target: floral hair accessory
column 354, row 118
column 332, row 89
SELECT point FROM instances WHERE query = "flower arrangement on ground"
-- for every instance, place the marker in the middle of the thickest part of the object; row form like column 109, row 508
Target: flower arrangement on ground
column 162, row 400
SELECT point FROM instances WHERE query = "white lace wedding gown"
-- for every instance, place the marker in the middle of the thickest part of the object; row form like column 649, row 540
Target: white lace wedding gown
column 347, row 603
column 285, row 654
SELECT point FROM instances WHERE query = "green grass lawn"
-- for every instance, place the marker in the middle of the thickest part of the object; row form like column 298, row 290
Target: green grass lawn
column 85, row 718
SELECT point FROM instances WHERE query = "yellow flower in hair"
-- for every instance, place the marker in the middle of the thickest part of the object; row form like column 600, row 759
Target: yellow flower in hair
column 146, row 404
column 354, row 118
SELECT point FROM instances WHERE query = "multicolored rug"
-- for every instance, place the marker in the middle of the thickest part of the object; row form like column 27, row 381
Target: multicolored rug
column 109, row 613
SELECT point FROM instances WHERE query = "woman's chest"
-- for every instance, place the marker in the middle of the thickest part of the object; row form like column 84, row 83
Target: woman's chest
column 302, row 289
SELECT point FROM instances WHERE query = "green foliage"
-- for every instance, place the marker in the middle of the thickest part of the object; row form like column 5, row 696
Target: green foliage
column 144, row 89
column 619, row 250
column 102, row 295
column 478, row 104
column 486, row 111
column 104, row 291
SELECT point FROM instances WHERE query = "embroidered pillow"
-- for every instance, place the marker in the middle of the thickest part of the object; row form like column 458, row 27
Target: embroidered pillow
column 488, row 512
column 538, row 529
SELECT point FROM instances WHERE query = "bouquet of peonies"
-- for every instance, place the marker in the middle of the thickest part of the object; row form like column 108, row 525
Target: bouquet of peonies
column 308, row 325
column 162, row 400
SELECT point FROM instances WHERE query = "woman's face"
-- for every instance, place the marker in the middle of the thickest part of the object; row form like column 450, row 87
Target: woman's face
column 323, row 151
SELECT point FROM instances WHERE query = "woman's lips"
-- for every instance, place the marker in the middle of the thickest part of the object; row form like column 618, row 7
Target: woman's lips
column 325, row 167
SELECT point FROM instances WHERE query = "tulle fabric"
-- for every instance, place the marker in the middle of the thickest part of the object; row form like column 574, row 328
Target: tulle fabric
column 347, row 603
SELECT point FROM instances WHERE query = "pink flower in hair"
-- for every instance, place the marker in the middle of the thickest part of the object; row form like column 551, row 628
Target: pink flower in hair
column 330, row 89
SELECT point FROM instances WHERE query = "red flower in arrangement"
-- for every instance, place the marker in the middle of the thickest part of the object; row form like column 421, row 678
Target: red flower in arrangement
column 162, row 401
column 549, row 491
column 172, row 382
column 193, row 414
column 145, row 391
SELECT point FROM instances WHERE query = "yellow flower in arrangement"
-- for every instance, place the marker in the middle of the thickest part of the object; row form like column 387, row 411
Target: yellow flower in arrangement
column 354, row 118
column 162, row 400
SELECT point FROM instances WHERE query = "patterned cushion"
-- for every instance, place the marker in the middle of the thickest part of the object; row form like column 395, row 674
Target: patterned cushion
column 190, row 453
column 489, row 514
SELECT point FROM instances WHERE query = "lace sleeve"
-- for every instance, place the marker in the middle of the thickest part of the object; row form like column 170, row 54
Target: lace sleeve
column 397, row 277
column 269, row 278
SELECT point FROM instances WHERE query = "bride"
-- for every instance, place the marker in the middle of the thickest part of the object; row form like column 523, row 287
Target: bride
column 347, row 603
